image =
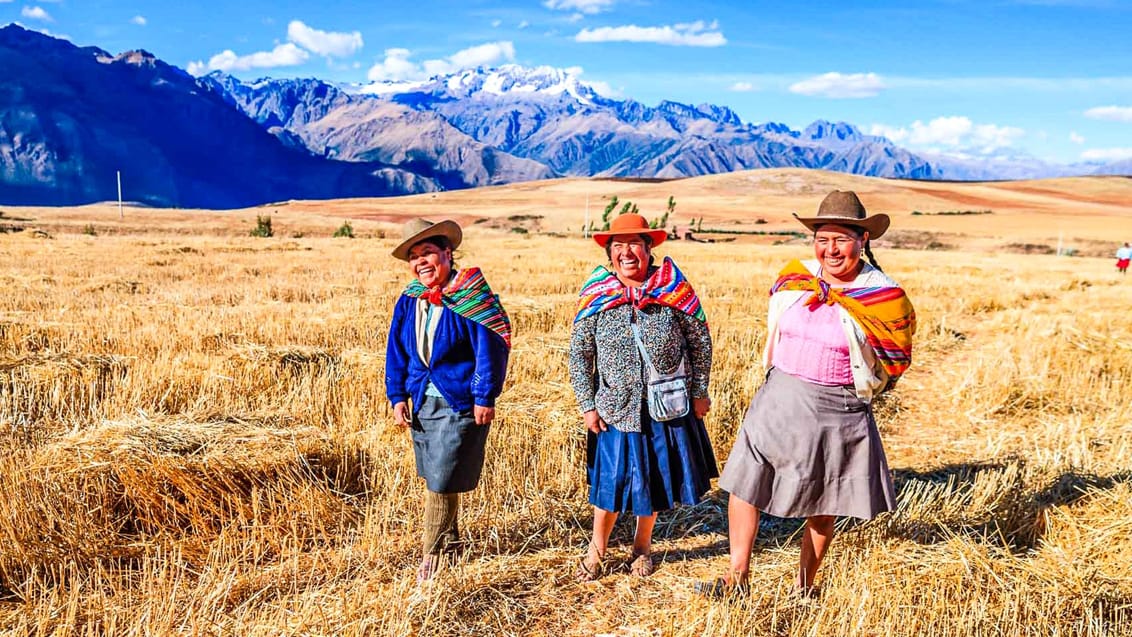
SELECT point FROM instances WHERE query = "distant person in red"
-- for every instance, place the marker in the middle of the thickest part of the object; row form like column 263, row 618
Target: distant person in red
column 1123, row 256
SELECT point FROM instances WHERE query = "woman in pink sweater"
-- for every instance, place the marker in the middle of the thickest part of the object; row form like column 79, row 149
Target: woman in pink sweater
column 839, row 332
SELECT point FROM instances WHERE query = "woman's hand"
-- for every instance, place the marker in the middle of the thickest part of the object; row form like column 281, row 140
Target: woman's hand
column 701, row 406
column 594, row 422
column 401, row 414
column 484, row 415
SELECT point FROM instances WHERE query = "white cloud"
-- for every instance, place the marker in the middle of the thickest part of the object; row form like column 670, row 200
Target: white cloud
column 36, row 13
column 326, row 43
column 1111, row 113
column 696, row 33
column 742, row 87
column 952, row 133
column 839, row 86
column 398, row 67
column 138, row 20
column 1075, row 138
column 524, row 24
column 1106, row 154
column 282, row 55
column 495, row 23
column 581, row 6
column 196, row 68
column 577, row 17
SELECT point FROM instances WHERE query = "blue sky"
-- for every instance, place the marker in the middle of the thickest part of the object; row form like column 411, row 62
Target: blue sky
column 1050, row 78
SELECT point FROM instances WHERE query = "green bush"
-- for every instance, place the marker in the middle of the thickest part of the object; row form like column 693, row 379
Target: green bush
column 345, row 230
column 88, row 230
column 262, row 227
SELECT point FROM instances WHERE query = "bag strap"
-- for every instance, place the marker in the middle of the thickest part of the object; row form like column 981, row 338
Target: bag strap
column 653, row 373
column 641, row 347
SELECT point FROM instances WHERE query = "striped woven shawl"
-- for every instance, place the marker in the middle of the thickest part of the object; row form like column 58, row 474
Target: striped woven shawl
column 885, row 314
column 468, row 295
column 665, row 286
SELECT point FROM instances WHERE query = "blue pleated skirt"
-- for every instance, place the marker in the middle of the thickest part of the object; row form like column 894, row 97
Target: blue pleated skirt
column 655, row 469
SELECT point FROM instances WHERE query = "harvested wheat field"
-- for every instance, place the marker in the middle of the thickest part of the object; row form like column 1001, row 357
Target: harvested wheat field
column 196, row 439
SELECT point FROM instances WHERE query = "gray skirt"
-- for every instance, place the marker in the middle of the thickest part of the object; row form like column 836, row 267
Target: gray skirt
column 806, row 450
column 448, row 445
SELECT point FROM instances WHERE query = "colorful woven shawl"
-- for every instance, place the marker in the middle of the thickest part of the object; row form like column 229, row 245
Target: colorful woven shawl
column 884, row 313
column 665, row 286
column 468, row 295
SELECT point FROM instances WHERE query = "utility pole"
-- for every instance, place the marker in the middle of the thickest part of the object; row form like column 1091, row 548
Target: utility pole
column 120, row 215
column 586, row 227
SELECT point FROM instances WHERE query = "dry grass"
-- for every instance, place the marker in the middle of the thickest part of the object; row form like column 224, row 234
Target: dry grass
column 195, row 440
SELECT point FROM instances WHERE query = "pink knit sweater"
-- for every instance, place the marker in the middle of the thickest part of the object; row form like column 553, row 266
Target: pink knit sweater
column 812, row 345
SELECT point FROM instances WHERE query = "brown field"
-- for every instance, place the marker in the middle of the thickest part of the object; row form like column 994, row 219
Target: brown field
column 195, row 438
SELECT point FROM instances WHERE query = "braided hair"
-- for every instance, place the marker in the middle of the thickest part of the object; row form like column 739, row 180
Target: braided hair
column 869, row 254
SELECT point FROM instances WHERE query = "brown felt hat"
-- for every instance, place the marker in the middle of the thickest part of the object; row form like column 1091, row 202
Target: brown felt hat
column 844, row 208
column 418, row 230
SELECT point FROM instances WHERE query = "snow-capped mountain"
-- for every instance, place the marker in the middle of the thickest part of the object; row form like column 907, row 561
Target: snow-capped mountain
column 70, row 113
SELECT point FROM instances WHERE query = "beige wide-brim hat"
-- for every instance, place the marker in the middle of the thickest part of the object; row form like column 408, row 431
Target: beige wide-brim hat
column 844, row 208
column 418, row 230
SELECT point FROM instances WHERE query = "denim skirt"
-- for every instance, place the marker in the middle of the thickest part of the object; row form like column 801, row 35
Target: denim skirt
column 655, row 469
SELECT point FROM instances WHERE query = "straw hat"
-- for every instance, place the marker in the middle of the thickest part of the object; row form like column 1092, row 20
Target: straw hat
column 844, row 208
column 418, row 230
column 630, row 223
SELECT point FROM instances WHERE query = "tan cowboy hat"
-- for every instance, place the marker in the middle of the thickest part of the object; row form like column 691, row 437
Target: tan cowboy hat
column 630, row 223
column 844, row 208
column 418, row 230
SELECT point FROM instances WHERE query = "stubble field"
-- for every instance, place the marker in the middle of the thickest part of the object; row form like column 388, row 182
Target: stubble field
column 195, row 440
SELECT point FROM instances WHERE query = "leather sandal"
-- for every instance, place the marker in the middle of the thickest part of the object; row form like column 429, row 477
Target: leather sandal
column 586, row 572
column 640, row 565
column 719, row 588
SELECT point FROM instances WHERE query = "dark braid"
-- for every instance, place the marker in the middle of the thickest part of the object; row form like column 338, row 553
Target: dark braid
column 869, row 254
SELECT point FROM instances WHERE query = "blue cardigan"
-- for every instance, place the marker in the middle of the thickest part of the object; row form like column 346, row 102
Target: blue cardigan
column 469, row 361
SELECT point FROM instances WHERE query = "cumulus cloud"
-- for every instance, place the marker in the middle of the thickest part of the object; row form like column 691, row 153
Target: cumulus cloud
column 1111, row 113
column 581, row 6
column 742, row 87
column 398, row 67
column 524, row 24
column 325, row 43
column 951, row 134
column 36, row 13
column 1075, row 138
column 698, row 33
column 496, row 23
column 138, row 20
column 282, row 55
column 840, row 86
column 1107, row 154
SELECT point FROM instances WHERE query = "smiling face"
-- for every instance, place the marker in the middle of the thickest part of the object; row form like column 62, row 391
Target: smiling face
column 838, row 250
column 430, row 263
column 629, row 254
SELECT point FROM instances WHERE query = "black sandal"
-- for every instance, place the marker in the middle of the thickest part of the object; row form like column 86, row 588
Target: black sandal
column 719, row 588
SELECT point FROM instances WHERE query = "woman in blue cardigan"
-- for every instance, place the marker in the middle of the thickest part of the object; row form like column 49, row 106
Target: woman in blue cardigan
column 447, row 357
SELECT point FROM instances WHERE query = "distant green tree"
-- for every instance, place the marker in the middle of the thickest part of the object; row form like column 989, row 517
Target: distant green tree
column 262, row 227
column 344, row 230
column 608, row 211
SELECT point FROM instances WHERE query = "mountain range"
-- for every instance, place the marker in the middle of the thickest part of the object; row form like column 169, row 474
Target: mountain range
column 71, row 117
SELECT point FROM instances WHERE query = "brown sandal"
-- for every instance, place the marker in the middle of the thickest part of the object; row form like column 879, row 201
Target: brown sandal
column 641, row 565
column 586, row 572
